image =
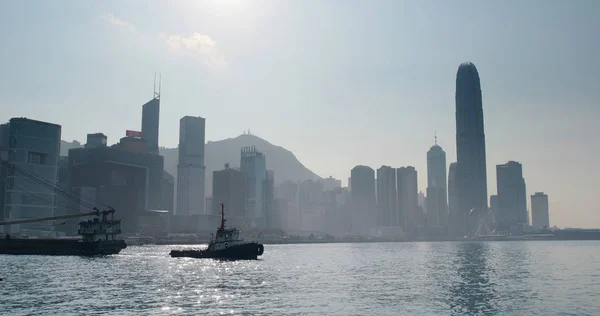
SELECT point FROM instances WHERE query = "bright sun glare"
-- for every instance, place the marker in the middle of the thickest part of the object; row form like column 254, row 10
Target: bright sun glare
column 228, row 5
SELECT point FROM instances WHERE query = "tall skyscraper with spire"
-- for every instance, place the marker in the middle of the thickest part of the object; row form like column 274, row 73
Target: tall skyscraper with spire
column 470, row 147
column 150, row 120
column 437, row 202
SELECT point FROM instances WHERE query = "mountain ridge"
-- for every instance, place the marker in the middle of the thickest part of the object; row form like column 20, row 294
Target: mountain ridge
column 217, row 153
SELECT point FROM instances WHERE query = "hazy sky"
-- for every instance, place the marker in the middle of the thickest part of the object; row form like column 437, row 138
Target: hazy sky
column 339, row 83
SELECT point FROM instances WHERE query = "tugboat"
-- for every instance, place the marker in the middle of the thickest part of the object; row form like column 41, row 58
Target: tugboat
column 226, row 244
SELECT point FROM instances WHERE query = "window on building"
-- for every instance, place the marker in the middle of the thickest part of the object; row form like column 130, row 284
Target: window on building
column 36, row 158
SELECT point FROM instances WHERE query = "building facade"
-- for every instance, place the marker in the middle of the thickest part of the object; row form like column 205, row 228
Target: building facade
column 310, row 205
column 33, row 149
column 331, row 183
column 271, row 220
column 512, row 198
column 190, row 167
column 254, row 164
column 470, row 147
column 453, row 208
column 387, row 197
column 131, row 182
column 408, row 199
column 364, row 208
column 229, row 187
column 150, row 124
column 287, row 193
column 96, row 140
column 437, row 205
column 167, row 192
column 539, row 211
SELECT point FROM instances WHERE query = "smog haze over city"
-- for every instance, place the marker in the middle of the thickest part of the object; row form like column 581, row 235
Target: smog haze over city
column 288, row 157
column 339, row 83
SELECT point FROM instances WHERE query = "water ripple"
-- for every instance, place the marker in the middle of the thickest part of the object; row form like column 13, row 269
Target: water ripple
column 485, row 278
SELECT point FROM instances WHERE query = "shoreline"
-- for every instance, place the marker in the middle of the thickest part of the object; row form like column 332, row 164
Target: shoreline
column 345, row 241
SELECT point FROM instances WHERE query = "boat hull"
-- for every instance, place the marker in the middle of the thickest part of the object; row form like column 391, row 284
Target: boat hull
column 249, row 251
column 60, row 247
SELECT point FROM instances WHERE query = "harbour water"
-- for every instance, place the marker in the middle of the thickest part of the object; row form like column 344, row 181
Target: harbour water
column 426, row 278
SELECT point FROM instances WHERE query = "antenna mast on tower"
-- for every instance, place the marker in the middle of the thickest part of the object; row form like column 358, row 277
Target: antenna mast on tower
column 157, row 94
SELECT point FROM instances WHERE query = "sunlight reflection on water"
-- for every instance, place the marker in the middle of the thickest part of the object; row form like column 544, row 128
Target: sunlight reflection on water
column 513, row 278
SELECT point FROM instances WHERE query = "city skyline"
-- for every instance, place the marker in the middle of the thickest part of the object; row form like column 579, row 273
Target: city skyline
column 526, row 96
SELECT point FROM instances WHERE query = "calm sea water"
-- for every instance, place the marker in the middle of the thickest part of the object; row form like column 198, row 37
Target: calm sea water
column 507, row 278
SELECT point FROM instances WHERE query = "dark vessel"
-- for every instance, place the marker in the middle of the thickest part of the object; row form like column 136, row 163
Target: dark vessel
column 226, row 244
column 99, row 237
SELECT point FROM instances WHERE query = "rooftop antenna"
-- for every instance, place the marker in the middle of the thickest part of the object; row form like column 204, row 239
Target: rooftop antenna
column 157, row 94
column 435, row 137
column 159, row 85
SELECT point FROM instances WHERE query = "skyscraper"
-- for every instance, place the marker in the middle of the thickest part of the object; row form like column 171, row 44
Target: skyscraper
column 254, row 164
column 494, row 204
column 287, row 192
column 539, row 210
column 229, row 187
column 408, row 198
column 470, row 147
column 268, row 199
column 364, row 215
column 150, row 120
column 512, row 199
column 190, row 168
column 453, row 207
column 437, row 205
column 387, row 197
column 34, row 148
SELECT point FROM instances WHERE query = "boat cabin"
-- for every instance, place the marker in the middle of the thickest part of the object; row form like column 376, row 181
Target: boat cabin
column 224, row 238
column 100, row 229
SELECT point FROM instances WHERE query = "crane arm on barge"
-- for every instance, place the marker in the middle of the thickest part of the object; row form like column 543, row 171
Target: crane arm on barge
column 96, row 212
